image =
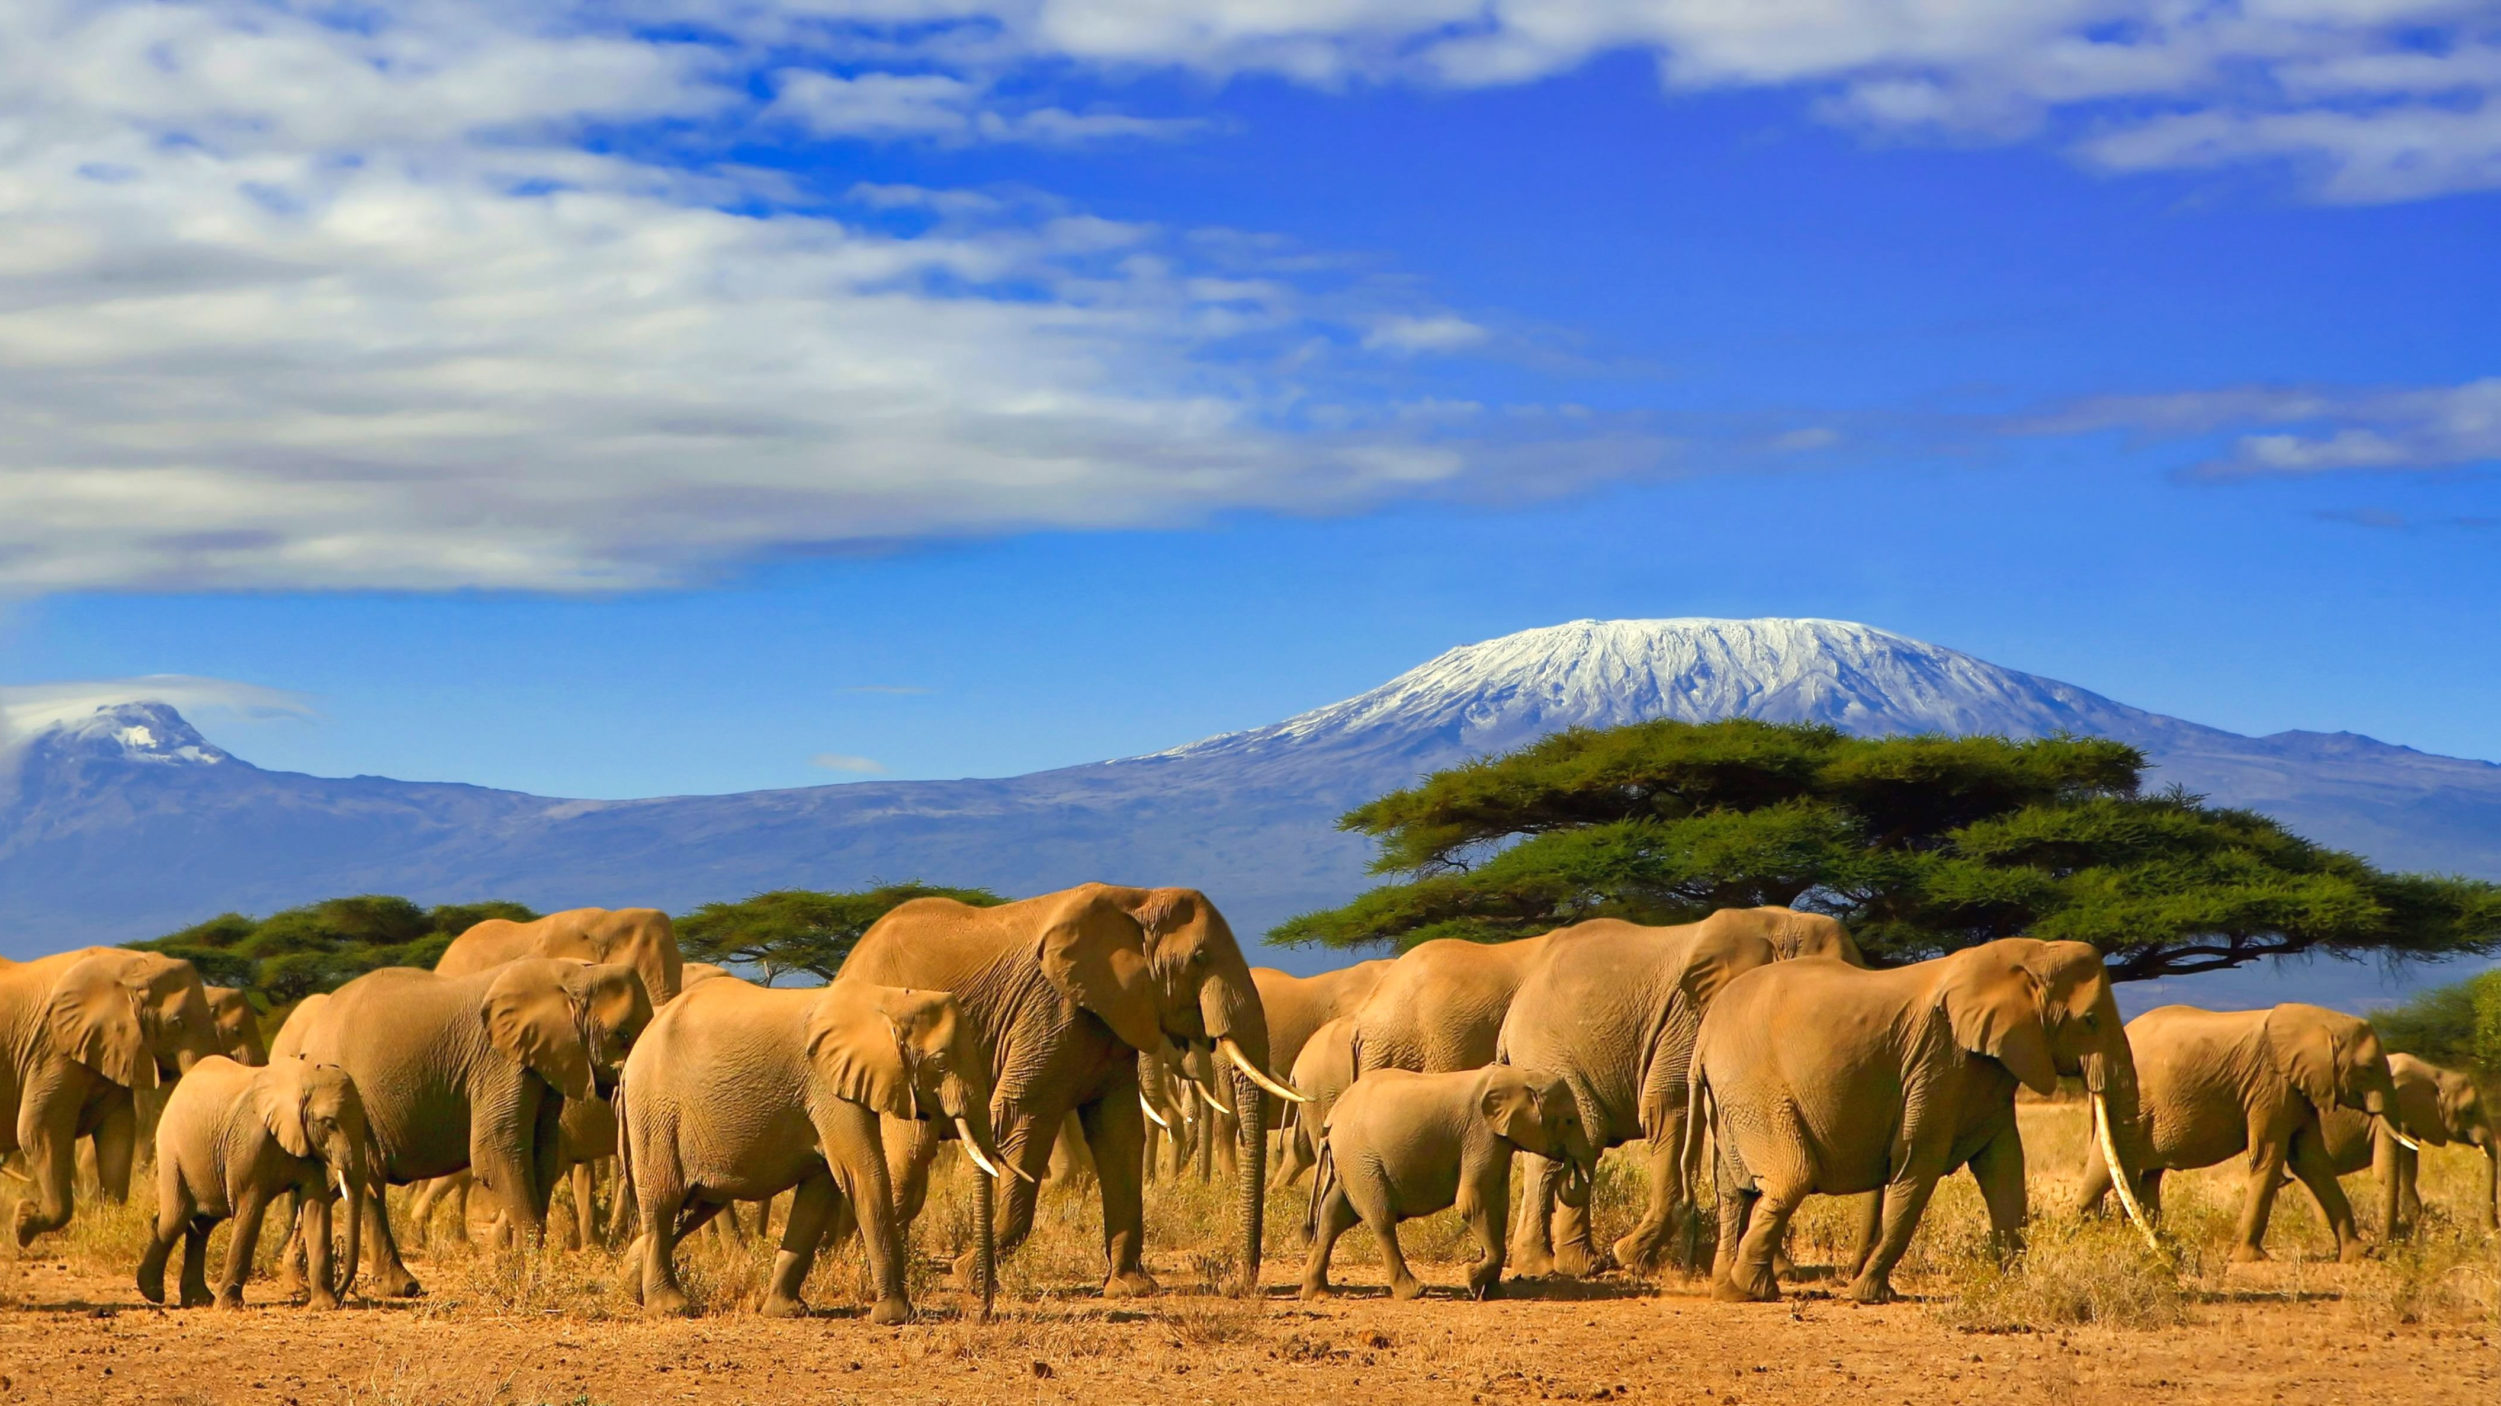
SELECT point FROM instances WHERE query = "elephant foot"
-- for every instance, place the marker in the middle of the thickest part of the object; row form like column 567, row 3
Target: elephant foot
column 398, row 1283
column 890, row 1312
column 1784, row 1267
column 197, row 1298
column 1576, row 1262
column 2250, row 1254
column 230, row 1297
column 1635, row 1255
column 1486, row 1288
column 1534, row 1263
column 1131, row 1284
column 2355, row 1252
column 325, row 1301
column 1315, row 1290
column 664, row 1302
column 1868, row 1290
column 1406, row 1289
column 784, row 1306
column 26, row 1231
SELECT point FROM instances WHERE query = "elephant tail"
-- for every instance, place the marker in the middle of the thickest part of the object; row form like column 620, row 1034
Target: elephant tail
column 1700, row 1109
column 625, row 1150
column 1323, row 1181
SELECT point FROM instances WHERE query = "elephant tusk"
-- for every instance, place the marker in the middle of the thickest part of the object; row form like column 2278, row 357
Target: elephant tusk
column 341, row 1178
column 1209, row 1095
column 1242, row 1062
column 2119, row 1171
column 1152, row 1116
column 2408, row 1143
column 972, row 1147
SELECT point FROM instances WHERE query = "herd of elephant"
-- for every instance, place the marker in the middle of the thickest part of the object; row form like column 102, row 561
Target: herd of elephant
column 1754, row 1048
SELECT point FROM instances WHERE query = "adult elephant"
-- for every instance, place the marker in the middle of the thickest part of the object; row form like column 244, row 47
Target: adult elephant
column 640, row 938
column 472, row 1073
column 2218, row 1084
column 85, row 1030
column 742, row 1092
column 1297, row 1006
column 1820, row 1078
column 2431, row 1105
column 1063, row 992
column 1440, row 1005
column 1610, row 1009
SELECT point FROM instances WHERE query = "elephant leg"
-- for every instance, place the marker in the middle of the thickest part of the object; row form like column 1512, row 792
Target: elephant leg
column 2152, row 1199
column 1402, row 1281
column 47, row 1125
column 245, row 1243
column 382, row 1258
column 2384, row 1155
column 2096, row 1189
column 2266, row 1171
column 1293, row 1156
column 658, row 1197
column 115, row 1140
column 314, row 1218
column 291, row 1254
column 811, row 1207
column 1764, row 1216
column 1115, row 1127
column 1334, row 1217
column 2409, row 1195
column 1998, row 1167
column 1905, row 1199
column 2310, row 1163
column 1532, row 1234
column 195, row 1292
column 174, row 1211
column 1485, row 1221
column 1870, row 1231
column 1643, row 1249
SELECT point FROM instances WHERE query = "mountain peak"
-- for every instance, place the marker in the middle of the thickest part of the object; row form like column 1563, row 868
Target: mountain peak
column 146, row 733
column 1503, row 692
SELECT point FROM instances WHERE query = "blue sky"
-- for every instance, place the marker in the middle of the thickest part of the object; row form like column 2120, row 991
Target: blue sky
column 679, row 397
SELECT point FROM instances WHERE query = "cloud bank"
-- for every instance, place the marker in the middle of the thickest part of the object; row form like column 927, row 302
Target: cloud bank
column 461, row 294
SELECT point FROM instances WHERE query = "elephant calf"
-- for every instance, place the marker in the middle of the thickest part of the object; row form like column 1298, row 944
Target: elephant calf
column 232, row 1138
column 1400, row 1145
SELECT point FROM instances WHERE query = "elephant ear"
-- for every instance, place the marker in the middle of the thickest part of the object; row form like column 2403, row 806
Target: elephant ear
column 531, row 1019
column 1096, row 955
column 1509, row 1105
column 862, row 1048
column 2304, row 1051
column 282, row 1090
column 1993, row 1003
column 94, row 1019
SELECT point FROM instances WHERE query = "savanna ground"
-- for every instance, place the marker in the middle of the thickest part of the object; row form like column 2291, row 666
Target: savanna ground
column 2092, row 1315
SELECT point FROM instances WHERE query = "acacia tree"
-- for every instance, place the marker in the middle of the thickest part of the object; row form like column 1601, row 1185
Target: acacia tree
column 1921, row 844
column 800, row 930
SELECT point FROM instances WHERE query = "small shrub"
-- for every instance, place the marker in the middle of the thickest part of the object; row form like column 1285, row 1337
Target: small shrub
column 2072, row 1272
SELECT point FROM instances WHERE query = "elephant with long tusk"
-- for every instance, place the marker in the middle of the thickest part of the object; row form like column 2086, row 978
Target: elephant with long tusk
column 2219, row 1085
column 739, row 1092
column 1064, row 992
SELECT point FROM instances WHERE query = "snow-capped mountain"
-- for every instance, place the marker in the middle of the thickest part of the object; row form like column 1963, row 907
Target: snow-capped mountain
column 125, row 822
column 1603, row 673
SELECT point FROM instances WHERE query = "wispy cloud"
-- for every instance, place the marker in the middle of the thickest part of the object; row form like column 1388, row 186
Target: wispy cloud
column 836, row 761
column 2291, row 431
column 29, row 708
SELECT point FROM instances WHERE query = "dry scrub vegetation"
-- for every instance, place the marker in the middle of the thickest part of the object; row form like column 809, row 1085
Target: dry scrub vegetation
column 507, row 1328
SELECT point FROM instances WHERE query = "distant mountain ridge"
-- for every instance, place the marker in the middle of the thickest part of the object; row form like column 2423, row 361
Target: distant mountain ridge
column 128, row 822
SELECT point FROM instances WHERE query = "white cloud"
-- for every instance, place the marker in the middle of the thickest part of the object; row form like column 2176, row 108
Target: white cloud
column 943, row 108
column 1442, row 332
column 2272, row 431
column 836, row 761
column 1807, row 439
column 288, row 304
column 26, row 709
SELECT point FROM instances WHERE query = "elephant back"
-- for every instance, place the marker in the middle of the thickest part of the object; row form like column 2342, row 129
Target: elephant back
column 1441, row 1006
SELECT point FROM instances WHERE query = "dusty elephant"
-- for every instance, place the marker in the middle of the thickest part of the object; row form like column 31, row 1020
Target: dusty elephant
column 1440, row 1005
column 1398, row 1145
column 2220, row 1084
column 641, row 938
column 1321, row 1073
column 238, row 1026
column 740, row 1092
column 472, row 1072
column 1818, row 1077
column 1610, row 1009
column 1296, row 1007
column 1063, row 992
column 233, row 1138
column 86, row 1029
column 2431, row 1106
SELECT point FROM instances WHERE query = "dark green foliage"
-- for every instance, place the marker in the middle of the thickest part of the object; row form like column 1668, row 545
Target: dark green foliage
column 2457, row 1025
column 1921, row 844
column 289, row 955
column 799, row 930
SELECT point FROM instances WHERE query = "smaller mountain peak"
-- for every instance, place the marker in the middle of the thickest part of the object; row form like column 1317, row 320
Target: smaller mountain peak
column 143, row 732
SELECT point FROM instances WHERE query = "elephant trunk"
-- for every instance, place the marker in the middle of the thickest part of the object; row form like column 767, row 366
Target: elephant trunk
column 2492, row 1181
column 986, row 1239
column 351, row 1167
column 1254, row 1170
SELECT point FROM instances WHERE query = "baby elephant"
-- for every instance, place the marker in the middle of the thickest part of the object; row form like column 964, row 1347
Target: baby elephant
column 1398, row 1145
column 231, row 1139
